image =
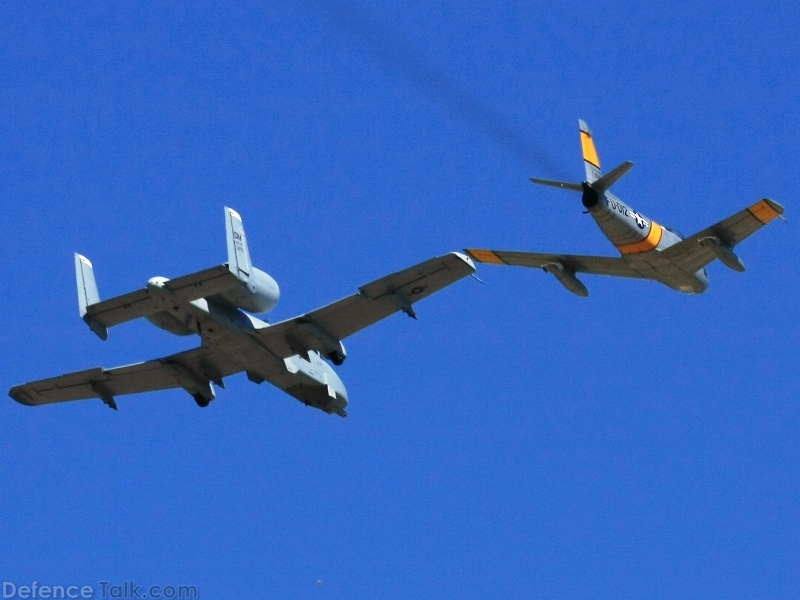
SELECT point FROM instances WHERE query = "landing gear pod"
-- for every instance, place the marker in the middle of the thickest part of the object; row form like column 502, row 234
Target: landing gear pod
column 567, row 279
column 724, row 253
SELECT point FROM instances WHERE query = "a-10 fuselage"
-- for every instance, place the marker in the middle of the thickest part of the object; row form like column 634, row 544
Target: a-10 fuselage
column 215, row 304
column 227, row 329
column 636, row 237
column 259, row 295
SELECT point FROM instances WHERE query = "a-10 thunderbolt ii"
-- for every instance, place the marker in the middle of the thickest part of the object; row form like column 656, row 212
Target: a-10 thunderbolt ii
column 215, row 304
column 649, row 250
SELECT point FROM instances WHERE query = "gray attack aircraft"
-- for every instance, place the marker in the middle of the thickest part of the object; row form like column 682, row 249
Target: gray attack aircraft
column 649, row 251
column 215, row 304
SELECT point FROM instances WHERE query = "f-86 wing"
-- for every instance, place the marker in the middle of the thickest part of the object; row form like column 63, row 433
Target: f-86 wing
column 562, row 266
column 695, row 252
column 597, row 265
column 324, row 329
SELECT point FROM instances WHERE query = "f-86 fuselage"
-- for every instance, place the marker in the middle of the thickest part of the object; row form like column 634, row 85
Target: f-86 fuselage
column 635, row 236
column 649, row 250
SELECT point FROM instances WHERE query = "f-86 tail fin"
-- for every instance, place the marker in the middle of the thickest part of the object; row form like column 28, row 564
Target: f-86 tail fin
column 594, row 177
column 591, row 161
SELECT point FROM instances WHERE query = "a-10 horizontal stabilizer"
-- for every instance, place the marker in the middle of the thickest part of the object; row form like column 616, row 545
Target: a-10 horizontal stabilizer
column 203, row 284
column 102, row 315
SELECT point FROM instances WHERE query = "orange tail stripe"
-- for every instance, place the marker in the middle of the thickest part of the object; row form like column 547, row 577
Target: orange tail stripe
column 589, row 153
column 763, row 211
column 649, row 243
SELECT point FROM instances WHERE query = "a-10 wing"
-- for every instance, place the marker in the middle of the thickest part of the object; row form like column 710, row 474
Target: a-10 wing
column 373, row 302
column 186, row 370
column 195, row 369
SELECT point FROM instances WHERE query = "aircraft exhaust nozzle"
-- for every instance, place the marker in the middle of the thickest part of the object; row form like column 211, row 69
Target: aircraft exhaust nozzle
column 724, row 253
column 567, row 279
column 590, row 196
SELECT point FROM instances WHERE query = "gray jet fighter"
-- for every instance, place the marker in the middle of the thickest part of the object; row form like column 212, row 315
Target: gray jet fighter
column 212, row 304
column 649, row 251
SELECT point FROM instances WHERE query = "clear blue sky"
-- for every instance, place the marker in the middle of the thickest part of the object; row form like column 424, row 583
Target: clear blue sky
column 515, row 442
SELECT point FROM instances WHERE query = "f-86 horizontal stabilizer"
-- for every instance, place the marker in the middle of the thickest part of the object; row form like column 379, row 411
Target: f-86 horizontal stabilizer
column 600, row 185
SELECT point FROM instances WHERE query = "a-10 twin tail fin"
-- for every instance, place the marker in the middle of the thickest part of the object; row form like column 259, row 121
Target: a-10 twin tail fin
column 236, row 283
column 87, row 294
column 239, row 261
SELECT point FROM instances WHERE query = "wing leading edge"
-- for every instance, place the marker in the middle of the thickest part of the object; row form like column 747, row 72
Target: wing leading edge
column 596, row 265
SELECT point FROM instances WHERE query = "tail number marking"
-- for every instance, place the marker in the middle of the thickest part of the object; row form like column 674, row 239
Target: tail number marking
column 641, row 222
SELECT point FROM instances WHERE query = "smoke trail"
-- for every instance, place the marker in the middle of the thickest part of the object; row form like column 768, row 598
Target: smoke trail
column 400, row 56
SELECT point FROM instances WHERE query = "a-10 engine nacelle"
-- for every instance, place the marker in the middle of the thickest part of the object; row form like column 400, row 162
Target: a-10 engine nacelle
column 259, row 294
column 255, row 291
